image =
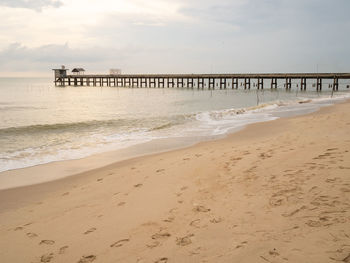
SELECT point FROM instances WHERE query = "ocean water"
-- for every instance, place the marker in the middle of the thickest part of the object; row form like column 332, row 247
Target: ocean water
column 41, row 123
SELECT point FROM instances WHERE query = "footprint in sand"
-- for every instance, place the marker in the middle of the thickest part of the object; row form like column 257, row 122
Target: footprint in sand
column 46, row 242
column 196, row 251
column 346, row 259
column 276, row 200
column 87, row 259
column 264, row 156
column 62, row 250
column 18, row 228
column 120, row 242
column 293, row 212
column 46, row 257
column 138, row 185
column 314, row 188
column 153, row 244
column 341, row 258
column 201, row 208
column 184, row 241
column 160, row 170
column 161, row 235
column 66, row 193
column 161, row 260
column 99, row 180
column 216, row 220
column 121, row 203
column 273, row 252
column 31, row 235
column 156, row 237
column 271, row 255
column 332, row 149
column 313, row 223
column 195, row 223
column 242, row 244
column 169, row 219
column 90, row 231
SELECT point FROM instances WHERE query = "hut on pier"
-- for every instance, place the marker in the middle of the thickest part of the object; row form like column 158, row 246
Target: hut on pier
column 60, row 72
column 78, row 71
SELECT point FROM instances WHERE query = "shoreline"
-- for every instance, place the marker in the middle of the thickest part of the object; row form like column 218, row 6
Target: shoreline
column 103, row 161
column 275, row 191
column 26, row 176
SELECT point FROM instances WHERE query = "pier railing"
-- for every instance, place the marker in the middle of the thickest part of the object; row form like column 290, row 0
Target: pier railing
column 207, row 81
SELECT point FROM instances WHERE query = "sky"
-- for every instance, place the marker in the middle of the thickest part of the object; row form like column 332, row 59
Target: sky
column 168, row 36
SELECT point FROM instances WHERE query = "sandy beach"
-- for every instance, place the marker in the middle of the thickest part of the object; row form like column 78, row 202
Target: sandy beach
column 276, row 191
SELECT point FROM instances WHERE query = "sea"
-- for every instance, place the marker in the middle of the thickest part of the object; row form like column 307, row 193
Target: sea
column 41, row 123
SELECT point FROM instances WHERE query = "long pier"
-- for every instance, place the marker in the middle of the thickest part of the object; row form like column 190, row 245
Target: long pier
column 205, row 81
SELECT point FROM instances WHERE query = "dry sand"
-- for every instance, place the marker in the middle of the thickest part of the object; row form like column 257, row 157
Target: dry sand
column 274, row 192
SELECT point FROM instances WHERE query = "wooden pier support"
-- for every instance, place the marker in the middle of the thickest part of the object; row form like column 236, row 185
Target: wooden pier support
column 211, row 83
column 274, row 83
column 303, row 84
column 161, row 82
column 190, row 83
column 246, row 83
column 319, row 84
column 180, row 82
column 335, row 84
column 170, row 82
column 118, row 82
column 134, row 82
column 234, row 83
column 152, row 81
column 200, row 83
column 222, row 83
column 288, row 83
column 143, row 82
column 260, row 83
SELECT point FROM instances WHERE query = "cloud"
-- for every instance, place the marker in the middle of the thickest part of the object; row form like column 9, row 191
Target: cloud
column 267, row 15
column 192, row 36
column 18, row 58
column 36, row 5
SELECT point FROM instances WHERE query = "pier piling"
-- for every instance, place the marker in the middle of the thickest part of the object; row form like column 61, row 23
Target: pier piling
column 274, row 83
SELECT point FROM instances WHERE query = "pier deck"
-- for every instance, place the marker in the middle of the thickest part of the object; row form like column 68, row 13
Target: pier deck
column 208, row 81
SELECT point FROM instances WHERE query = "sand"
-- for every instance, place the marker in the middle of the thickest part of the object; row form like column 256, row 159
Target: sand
column 274, row 192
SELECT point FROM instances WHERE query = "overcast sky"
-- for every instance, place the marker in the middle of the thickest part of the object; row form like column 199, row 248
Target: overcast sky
column 165, row 36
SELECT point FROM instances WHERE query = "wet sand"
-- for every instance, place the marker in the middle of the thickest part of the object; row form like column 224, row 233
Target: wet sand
column 274, row 192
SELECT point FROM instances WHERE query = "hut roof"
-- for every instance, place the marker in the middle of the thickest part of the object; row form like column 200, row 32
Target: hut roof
column 78, row 70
